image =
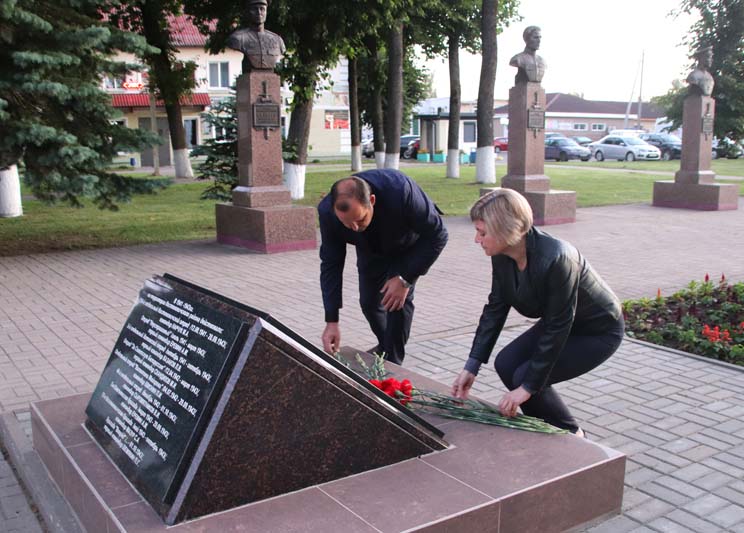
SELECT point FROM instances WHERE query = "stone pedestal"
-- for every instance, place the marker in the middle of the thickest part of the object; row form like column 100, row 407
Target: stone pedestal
column 526, row 163
column 261, row 216
column 694, row 184
column 489, row 479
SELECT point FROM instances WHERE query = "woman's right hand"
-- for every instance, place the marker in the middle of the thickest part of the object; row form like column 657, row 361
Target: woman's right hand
column 463, row 383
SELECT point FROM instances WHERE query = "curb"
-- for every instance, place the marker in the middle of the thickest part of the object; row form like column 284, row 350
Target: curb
column 52, row 510
column 702, row 358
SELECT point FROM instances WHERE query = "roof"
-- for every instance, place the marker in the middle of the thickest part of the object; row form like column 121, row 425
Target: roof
column 568, row 103
column 143, row 100
column 184, row 32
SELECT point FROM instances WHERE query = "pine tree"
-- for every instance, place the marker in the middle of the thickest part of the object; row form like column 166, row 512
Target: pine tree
column 55, row 121
column 221, row 164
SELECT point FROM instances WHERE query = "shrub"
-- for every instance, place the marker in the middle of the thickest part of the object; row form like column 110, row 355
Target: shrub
column 706, row 318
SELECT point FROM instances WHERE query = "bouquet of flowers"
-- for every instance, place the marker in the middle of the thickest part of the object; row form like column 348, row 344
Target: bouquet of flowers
column 443, row 404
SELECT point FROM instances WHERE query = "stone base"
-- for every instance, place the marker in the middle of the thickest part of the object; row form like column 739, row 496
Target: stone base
column 695, row 176
column 267, row 229
column 548, row 208
column 261, row 196
column 700, row 196
column 490, row 479
column 526, row 183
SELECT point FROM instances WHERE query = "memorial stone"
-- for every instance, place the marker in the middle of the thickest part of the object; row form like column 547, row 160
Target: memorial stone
column 261, row 216
column 526, row 161
column 206, row 404
column 694, row 184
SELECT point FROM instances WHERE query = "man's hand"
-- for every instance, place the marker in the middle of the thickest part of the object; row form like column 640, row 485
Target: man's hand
column 331, row 337
column 512, row 400
column 394, row 294
column 463, row 383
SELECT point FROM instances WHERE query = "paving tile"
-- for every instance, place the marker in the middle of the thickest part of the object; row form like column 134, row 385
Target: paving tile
column 706, row 505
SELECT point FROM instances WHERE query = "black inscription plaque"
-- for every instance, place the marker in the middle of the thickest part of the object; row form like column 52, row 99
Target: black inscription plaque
column 266, row 115
column 206, row 404
column 536, row 119
column 149, row 404
column 708, row 124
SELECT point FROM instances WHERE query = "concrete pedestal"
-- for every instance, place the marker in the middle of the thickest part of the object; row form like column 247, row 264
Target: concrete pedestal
column 489, row 479
column 699, row 196
column 526, row 163
column 694, row 184
column 261, row 216
column 266, row 229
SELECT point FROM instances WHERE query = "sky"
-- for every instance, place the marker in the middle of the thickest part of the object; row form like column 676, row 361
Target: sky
column 592, row 47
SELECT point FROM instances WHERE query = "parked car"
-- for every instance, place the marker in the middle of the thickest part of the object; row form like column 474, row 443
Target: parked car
column 412, row 149
column 563, row 149
column 670, row 145
column 501, row 144
column 727, row 148
column 405, row 141
column 368, row 147
column 627, row 133
column 553, row 134
column 582, row 141
column 623, row 148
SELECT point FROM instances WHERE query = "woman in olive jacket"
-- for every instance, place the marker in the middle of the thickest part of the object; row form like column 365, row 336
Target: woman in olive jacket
column 580, row 319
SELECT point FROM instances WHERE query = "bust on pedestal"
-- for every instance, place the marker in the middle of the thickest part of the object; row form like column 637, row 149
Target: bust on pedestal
column 694, row 186
column 261, row 216
column 526, row 161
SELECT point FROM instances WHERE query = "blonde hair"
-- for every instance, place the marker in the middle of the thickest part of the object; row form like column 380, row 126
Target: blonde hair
column 506, row 213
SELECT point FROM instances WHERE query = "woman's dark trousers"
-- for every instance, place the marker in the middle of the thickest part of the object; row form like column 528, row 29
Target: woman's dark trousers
column 580, row 354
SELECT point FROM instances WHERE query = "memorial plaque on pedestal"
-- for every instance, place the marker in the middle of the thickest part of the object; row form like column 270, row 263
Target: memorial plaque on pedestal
column 206, row 404
column 536, row 119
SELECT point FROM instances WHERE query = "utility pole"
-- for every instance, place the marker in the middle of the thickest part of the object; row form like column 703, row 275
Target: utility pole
column 640, row 91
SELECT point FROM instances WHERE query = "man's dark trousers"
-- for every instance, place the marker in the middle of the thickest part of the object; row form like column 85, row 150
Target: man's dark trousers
column 391, row 328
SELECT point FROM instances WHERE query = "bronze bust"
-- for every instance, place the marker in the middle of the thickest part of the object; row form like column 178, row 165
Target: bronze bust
column 700, row 79
column 531, row 66
column 261, row 48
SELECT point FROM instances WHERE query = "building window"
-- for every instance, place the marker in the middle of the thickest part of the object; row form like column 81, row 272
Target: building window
column 599, row 127
column 468, row 132
column 219, row 74
column 113, row 82
column 580, row 126
column 337, row 120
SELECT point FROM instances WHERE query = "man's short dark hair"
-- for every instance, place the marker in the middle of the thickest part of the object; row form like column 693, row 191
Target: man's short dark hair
column 350, row 188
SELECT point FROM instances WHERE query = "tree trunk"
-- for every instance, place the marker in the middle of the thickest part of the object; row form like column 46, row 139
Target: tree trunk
column 485, row 171
column 167, row 83
column 394, row 114
column 453, row 134
column 354, row 118
column 378, row 130
column 178, row 141
column 297, row 136
column 154, row 129
column 10, row 192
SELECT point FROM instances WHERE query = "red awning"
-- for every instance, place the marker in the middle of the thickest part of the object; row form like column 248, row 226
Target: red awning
column 143, row 100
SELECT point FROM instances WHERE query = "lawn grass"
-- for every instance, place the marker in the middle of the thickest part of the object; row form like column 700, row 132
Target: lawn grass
column 177, row 213
column 455, row 196
column 722, row 167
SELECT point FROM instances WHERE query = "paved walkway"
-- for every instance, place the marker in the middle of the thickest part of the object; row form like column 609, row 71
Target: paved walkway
column 680, row 419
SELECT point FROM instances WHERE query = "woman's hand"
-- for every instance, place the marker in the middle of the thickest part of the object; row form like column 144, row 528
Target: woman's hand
column 461, row 386
column 512, row 400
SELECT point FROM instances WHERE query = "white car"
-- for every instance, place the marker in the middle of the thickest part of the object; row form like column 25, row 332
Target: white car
column 624, row 148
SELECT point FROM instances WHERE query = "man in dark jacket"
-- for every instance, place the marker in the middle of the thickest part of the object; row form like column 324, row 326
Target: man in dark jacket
column 398, row 233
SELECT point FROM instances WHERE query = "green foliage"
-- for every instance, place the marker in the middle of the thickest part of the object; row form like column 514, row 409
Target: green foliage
column 721, row 25
column 54, row 119
column 221, row 164
column 706, row 319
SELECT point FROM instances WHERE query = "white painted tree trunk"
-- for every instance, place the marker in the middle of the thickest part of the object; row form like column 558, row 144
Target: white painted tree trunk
column 10, row 192
column 485, row 170
column 453, row 163
column 356, row 158
column 294, row 180
column 380, row 159
column 182, row 163
column 392, row 161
